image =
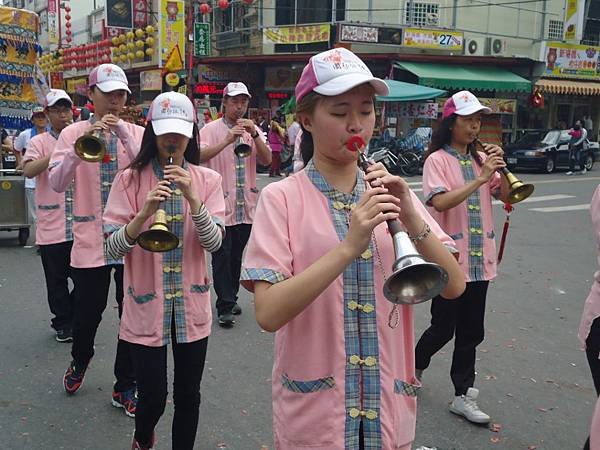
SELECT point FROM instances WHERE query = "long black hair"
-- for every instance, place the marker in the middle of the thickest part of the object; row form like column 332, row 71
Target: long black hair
column 443, row 136
column 307, row 105
column 149, row 149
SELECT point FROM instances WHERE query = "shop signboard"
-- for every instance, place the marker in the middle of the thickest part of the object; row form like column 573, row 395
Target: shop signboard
column 140, row 13
column 434, row 39
column 53, row 21
column 295, row 34
column 571, row 60
column 412, row 110
column 151, row 80
column 573, row 25
column 224, row 73
column 119, row 13
column 281, row 78
column 77, row 86
column 201, row 39
column 172, row 28
column 369, row 34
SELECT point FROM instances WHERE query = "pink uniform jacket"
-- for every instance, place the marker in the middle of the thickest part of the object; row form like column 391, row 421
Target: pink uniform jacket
column 158, row 285
column 91, row 187
column 239, row 174
column 338, row 361
column 470, row 224
column 54, row 210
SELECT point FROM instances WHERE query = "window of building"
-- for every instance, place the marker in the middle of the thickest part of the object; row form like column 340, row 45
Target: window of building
column 231, row 26
column 422, row 14
column 555, row 30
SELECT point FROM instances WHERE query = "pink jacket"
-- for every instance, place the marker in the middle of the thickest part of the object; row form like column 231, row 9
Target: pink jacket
column 66, row 166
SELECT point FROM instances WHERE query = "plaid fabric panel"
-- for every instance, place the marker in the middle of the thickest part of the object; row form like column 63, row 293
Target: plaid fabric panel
column 240, row 184
column 474, row 220
column 360, row 330
column 141, row 299
column 434, row 191
column 173, row 279
column 269, row 275
column 404, row 388
column 306, row 387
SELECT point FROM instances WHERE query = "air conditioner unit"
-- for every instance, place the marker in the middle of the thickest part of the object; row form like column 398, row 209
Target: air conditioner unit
column 432, row 18
column 475, row 46
column 495, row 46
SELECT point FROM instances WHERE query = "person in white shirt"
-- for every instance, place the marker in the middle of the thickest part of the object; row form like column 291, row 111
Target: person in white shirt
column 40, row 123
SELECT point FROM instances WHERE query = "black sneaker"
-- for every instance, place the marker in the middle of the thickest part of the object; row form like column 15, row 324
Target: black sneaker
column 73, row 378
column 64, row 335
column 226, row 320
column 236, row 310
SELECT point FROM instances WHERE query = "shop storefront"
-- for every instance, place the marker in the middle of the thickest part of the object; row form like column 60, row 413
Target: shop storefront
column 570, row 86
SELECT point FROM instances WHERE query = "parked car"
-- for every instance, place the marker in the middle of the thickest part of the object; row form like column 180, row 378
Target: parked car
column 546, row 151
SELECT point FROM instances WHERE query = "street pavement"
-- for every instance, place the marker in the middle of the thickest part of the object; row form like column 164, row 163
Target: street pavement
column 533, row 377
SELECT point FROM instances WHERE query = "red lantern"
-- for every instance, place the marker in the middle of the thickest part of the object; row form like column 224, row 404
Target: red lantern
column 223, row 4
column 67, row 9
column 205, row 8
column 248, row 2
column 67, row 16
column 68, row 24
column 537, row 100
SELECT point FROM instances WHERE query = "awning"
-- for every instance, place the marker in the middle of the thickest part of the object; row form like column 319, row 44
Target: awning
column 568, row 87
column 482, row 78
column 408, row 92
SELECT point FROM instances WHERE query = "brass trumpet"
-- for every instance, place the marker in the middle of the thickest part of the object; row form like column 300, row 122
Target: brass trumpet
column 89, row 147
column 413, row 279
column 158, row 238
column 518, row 191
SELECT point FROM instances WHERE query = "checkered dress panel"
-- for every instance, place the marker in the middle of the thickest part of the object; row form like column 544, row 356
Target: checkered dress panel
column 174, row 299
column 69, row 193
column 268, row 275
column 363, row 389
column 474, row 220
column 240, row 184
column 306, row 387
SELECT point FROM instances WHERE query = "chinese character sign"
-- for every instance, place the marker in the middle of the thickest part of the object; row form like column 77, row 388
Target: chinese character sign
column 52, row 21
column 201, row 39
column 140, row 13
column 574, row 20
column 172, row 27
column 573, row 61
column 296, row 34
column 434, row 39
column 410, row 109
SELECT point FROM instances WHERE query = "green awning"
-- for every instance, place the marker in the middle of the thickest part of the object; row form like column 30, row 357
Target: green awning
column 482, row 78
column 408, row 92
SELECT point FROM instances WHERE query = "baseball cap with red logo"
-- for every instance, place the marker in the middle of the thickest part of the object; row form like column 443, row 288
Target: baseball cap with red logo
column 235, row 88
column 55, row 95
column 463, row 103
column 334, row 72
column 108, row 78
column 172, row 112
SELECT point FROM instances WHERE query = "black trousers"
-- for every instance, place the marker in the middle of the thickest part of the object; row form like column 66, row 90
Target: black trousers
column 576, row 156
column 56, row 261
column 227, row 264
column 91, row 296
column 151, row 374
column 462, row 318
column 592, row 351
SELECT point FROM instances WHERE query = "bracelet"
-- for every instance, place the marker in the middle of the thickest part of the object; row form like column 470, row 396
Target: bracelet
column 254, row 136
column 423, row 234
column 128, row 236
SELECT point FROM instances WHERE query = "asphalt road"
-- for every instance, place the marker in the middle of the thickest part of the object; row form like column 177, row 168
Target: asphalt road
column 533, row 378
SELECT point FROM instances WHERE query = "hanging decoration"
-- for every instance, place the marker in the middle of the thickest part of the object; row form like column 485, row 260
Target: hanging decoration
column 223, row 4
column 536, row 100
column 205, row 8
column 131, row 47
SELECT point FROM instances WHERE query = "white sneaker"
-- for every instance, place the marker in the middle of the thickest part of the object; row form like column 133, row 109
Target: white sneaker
column 466, row 406
column 569, row 173
column 584, row 171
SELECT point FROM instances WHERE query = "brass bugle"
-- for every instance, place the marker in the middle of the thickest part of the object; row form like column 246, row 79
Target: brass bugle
column 518, row 191
column 413, row 280
column 89, row 147
column 158, row 238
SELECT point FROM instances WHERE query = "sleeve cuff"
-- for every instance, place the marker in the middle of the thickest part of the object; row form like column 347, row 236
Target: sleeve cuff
column 434, row 192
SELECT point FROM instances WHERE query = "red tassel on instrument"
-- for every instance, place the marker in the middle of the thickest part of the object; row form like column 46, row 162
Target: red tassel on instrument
column 509, row 209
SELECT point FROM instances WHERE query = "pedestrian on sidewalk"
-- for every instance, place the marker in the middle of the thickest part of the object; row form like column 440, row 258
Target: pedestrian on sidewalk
column 276, row 138
column 343, row 375
column 589, row 326
column 91, row 265
column 217, row 140
column 458, row 184
column 54, row 228
column 576, row 154
column 168, row 294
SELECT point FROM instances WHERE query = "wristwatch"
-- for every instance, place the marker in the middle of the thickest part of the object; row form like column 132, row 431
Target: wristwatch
column 255, row 135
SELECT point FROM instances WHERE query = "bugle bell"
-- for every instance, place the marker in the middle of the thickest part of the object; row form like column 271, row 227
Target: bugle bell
column 413, row 280
column 241, row 149
column 89, row 147
column 158, row 238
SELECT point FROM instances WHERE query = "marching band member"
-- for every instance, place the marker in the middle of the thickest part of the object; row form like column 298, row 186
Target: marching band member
column 317, row 259
column 239, row 188
column 167, row 294
column 91, row 265
column 458, row 184
column 53, row 231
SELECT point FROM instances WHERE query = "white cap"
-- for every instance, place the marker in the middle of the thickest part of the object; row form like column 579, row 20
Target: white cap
column 108, row 78
column 463, row 103
column 55, row 95
column 235, row 88
column 172, row 112
column 334, row 72
column 36, row 110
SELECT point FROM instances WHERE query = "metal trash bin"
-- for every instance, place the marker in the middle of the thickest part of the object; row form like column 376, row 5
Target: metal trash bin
column 13, row 206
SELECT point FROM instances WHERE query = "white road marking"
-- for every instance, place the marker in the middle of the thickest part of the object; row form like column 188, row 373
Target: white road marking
column 563, row 208
column 539, row 198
